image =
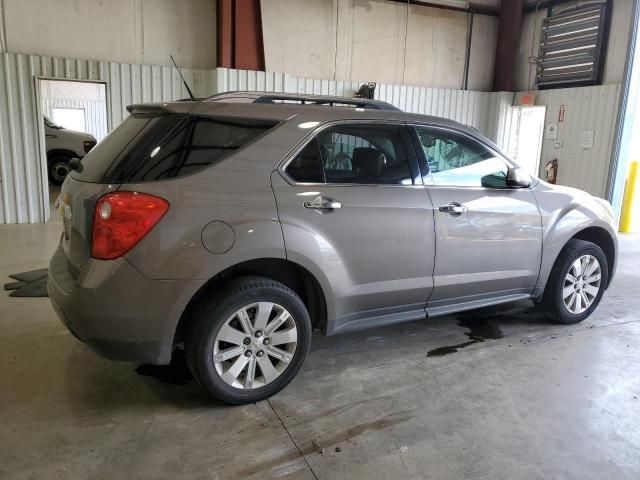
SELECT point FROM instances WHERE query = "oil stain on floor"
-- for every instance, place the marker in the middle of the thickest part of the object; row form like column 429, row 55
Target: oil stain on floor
column 479, row 330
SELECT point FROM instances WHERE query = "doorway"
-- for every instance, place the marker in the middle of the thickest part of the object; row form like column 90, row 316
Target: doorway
column 72, row 119
column 529, row 136
column 627, row 141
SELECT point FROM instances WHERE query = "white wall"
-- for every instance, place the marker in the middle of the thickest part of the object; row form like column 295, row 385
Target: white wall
column 524, row 75
column 365, row 40
column 585, row 109
column 618, row 41
column 126, row 31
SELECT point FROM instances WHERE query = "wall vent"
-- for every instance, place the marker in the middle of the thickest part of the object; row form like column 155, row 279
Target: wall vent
column 572, row 46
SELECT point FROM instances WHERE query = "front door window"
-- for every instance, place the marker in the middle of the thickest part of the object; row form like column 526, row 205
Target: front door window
column 457, row 161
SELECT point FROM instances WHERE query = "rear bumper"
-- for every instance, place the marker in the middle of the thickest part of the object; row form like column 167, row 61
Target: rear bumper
column 119, row 313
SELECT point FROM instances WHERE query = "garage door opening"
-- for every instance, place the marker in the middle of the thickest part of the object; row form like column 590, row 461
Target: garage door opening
column 73, row 118
column 627, row 140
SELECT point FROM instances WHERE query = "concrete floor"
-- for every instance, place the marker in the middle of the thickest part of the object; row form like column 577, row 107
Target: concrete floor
column 543, row 401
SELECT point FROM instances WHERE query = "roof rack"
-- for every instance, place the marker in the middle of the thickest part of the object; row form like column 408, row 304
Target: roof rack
column 301, row 99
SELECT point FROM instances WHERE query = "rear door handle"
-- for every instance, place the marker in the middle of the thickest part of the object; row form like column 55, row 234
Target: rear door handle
column 454, row 208
column 323, row 203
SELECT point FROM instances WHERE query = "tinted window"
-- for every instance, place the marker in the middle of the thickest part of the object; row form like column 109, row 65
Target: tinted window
column 365, row 154
column 456, row 160
column 307, row 165
column 145, row 149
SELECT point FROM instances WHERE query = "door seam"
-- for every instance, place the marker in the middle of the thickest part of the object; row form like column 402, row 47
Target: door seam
column 275, row 200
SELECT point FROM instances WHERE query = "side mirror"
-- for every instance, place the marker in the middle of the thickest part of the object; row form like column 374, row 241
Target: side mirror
column 518, row 178
column 75, row 164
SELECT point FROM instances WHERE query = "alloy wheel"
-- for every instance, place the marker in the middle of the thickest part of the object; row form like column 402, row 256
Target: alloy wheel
column 255, row 345
column 581, row 284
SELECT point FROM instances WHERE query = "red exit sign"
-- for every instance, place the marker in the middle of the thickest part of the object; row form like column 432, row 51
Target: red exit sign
column 527, row 99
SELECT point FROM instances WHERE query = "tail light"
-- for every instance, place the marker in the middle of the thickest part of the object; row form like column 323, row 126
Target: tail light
column 121, row 220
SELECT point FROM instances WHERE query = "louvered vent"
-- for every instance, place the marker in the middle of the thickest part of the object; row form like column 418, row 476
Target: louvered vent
column 570, row 46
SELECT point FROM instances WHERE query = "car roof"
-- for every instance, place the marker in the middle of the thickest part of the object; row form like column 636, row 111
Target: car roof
column 286, row 111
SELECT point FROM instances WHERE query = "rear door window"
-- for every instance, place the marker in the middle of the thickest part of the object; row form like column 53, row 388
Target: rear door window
column 364, row 154
column 145, row 149
column 306, row 167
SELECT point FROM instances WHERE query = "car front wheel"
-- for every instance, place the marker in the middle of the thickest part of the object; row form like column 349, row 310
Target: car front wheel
column 58, row 168
column 576, row 283
column 249, row 341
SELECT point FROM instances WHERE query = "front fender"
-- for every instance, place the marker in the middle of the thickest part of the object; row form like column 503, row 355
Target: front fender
column 565, row 213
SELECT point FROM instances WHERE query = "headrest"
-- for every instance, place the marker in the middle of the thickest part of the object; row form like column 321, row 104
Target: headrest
column 369, row 160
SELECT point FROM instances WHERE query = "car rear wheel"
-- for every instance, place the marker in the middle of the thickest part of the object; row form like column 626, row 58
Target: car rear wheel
column 576, row 283
column 249, row 341
column 58, row 168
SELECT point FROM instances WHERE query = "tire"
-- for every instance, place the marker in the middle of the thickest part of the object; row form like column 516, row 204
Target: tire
column 58, row 168
column 558, row 300
column 219, row 318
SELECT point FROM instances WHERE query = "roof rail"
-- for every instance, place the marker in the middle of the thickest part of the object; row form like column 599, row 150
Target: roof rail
column 302, row 99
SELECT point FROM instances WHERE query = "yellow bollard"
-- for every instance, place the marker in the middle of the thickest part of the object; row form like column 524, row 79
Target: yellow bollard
column 626, row 217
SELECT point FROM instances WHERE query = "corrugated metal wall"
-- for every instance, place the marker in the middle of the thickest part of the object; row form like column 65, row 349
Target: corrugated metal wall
column 23, row 186
column 585, row 109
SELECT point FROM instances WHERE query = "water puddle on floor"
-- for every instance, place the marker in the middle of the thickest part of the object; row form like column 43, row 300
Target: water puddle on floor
column 479, row 330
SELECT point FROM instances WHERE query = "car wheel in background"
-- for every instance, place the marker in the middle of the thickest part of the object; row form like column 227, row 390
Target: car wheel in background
column 249, row 340
column 58, row 168
column 576, row 283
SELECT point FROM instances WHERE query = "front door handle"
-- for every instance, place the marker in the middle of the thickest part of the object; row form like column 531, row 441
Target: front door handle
column 323, row 203
column 454, row 208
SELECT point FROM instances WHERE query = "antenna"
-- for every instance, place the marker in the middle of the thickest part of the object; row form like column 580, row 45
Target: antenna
column 186, row 85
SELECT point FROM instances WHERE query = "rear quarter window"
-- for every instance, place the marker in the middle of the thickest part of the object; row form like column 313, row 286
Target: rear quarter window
column 146, row 149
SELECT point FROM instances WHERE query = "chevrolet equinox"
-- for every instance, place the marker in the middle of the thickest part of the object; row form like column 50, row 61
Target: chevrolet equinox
column 232, row 227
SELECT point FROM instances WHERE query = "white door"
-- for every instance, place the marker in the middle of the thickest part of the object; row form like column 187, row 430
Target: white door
column 529, row 137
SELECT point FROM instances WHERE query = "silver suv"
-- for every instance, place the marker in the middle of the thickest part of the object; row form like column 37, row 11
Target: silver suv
column 232, row 227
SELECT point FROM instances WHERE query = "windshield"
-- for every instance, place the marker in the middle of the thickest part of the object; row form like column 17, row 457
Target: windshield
column 49, row 123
